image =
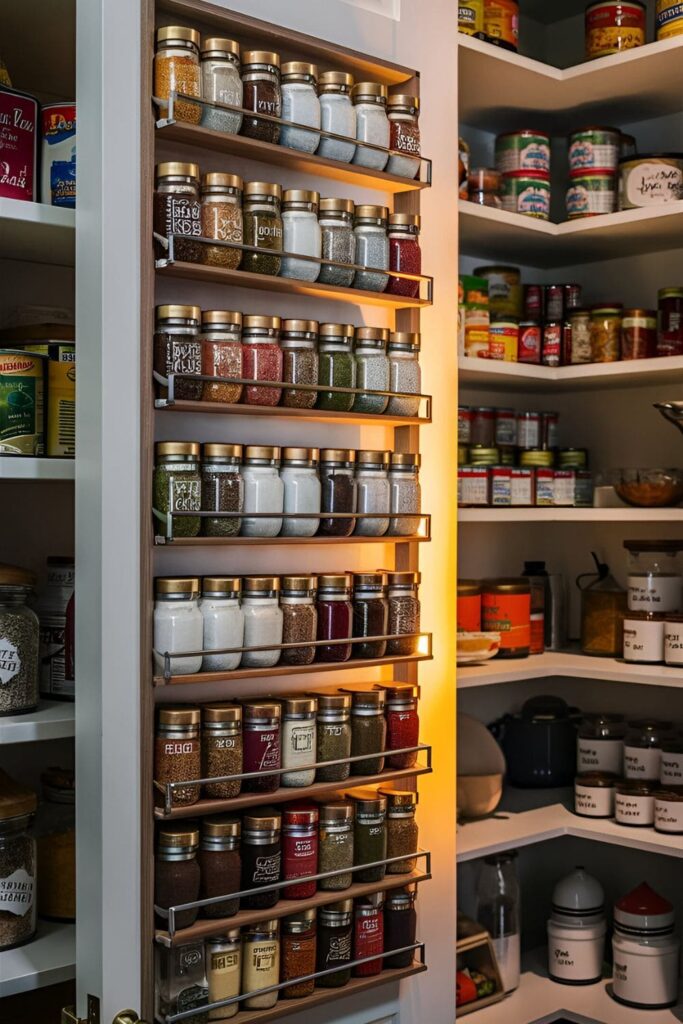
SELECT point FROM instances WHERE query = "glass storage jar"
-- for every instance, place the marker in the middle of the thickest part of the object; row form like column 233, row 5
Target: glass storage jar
column 221, row 83
column 177, row 874
column 260, row 964
column 372, row 369
column 220, row 864
column 338, row 490
column 403, row 723
column 402, row 831
column 337, row 366
column 300, row 619
column 404, row 140
column 222, row 749
column 600, row 744
column 224, row 971
column 333, row 736
column 19, row 642
column 370, row 613
column 222, row 489
column 603, row 606
column 299, row 475
column 405, row 255
column 299, row 342
column 264, row 491
column 262, row 227
column 178, row 349
column 262, row 739
column 404, row 373
column 298, row 736
column 670, row 322
column 335, row 616
column 368, row 934
column 372, row 124
column 181, row 981
column 176, row 69
column 221, row 349
column 262, row 358
column 643, row 748
column 338, row 116
column 372, row 247
column 178, row 625
column 177, row 210
column 177, row 486
column 177, row 751
column 223, row 622
column 298, row 953
column 655, row 577
column 400, row 926
column 261, row 856
column 221, row 219
column 484, row 187
column 17, row 864
column 404, row 612
column 262, row 620
column 335, row 939
column 261, row 94
column 370, row 833
column 301, row 234
column 406, row 494
column 671, row 767
column 605, row 333
column 301, row 106
column 368, row 729
column 55, row 831
column 374, row 493
column 335, row 848
column 299, row 849
column 338, row 241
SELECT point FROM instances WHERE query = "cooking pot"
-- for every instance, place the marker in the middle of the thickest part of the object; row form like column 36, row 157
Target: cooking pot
column 539, row 743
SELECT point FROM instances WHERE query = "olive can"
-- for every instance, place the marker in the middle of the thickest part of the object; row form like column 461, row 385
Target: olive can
column 527, row 193
column 22, row 402
column 594, row 149
column 590, row 193
column 523, row 151
column 669, row 19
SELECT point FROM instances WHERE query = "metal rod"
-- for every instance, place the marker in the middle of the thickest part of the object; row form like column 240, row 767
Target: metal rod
column 288, row 646
column 295, row 387
column 299, row 515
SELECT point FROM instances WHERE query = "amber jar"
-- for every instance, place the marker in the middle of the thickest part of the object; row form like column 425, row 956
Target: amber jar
column 639, row 334
column 606, row 333
column 176, row 69
column 177, row 873
column 297, row 953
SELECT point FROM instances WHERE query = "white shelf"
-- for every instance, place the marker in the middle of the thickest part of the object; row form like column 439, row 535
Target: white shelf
column 569, row 665
column 54, row 720
column 630, row 86
column 16, row 467
column 496, row 234
column 48, row 960
column 37, row 232
column 570, row 515
column 493, row 373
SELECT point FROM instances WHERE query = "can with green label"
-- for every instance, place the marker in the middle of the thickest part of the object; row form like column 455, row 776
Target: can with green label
column 22, row 402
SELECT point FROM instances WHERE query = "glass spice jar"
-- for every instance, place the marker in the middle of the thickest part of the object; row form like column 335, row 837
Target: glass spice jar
column 337, row 366
column 300, row 620
column 370, row 833
column 177, row 210
column 405, row 255
column 181, row 981
column 301, row 234
column 339, row 491
column 177, row 873
column 368, row 729
column 368, row 934
column 403, row 724
column 670, row 322
column 299, row 849
column 298, row 739
column 338, row 116
column 333, row 736
column 372, row 124
column 220, row 863
column 261, row 358
column 335, row 616
column 261, row 736
column 224, row 971
column 298, row 953
column 55, row 831
column 335, row 848
column 18, row 870
column 404, row 612
column 370, row 613
column 264, row 491
column 261, row 856
column 177, row 486
column 19, row 642
column 639, row 334
column 299, row 475
column 400, row 926
column 260, row 964
column 405, row 376
column 402, row 831
column 261, row 94
column 300, row 106
column 262, row 226
column 262, row 620
column 221, row 196
column 178, row 624
column 177, row 751
column 338, row 242
column 176, row 69
column 221, row 83
column 372, row 369
column 222, row 749
column 374, row 493
column 223, row 622
column 372, row 247
column 406, row 494
column 222, row 489
column 221, row 354
column 484, row 187
column 404, row 138
column 643, row 748
column 605, row 333
column 335, row 942
column 178, row 349
column 299, row 342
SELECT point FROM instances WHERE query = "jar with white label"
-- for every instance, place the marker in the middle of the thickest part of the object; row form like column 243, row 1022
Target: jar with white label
column 673, row 639
column 655, row 582
column 644, row 637
column 669, row 811
column 646, row 950
column 17, row 863
column 576, row 930
column 600, row 744
column 634, row 803
column 298, row 739
column 594, row 794
column 643, row 749
column 671, row 764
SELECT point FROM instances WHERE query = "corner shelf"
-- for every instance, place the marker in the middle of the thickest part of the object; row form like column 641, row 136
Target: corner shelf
column 627, row 373
column 48, row 960
column 37, row 232
column 53, row 720
column 569, row 665
column 19, row 467
column 570, row 515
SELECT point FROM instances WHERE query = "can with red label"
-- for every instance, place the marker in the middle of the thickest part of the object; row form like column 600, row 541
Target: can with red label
column 530, row 342
column 58, row 179
column 552, row 343
column 554, row 301
column 533, row 302
column 567, row 342
column 18, row 145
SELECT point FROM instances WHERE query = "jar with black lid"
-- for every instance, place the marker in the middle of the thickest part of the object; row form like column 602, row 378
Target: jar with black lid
column 370, row 833
column 671, row 767
column 400, row 926
column 333, row 736
column 261, row 856
column 177, row 210
column 177, row 873
column 335, row 934
column 178, row 349
column 339, row 490
column 262, row 94
column 643, row 748
column 370, row 613
column 600, row 746
column 220, row 864
column 335, row 845
column 368, row 729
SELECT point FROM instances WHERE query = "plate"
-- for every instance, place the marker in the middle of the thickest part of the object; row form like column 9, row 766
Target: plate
column 475, row 648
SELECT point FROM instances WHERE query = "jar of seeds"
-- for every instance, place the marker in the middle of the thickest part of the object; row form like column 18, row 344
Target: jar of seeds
column 299, row 619
column 222, row 749
column 264, row 491
column 222, row 488
column 19, row 642
column 177, row 349
column 300, row 105
column 177, row 751
column 374, row 493
column 18, row 890
column 177, row 876
column 402, row 831
column 406, row 495
column 220, row 863
column 372, row 124
column 335, row 616
column 263, row 620
column 299, row 475
column 372, row 247
column 177, row 487
column 261, row 358
column 404, row 373
column 299, row 342
column 224, row 972
column 338, row 490
column 372, row 369
column 335, row 939
column 403, row 723
column 334, row 735
column 335, row 846
column 370, row 613
column 261, row 93
column 220, row 340
column 301, row 234
column 298, row 953
column 370, row 833
column 178, row 625
column 262, row 738
column 404, row 611
column 262, row 227
column 261, row 856
column 222, row 218
column 221, row 83
column 403, row 112
column 176, row 69
column 368, row 729
column 338, row 116
column 223, row 622
column 298, row 739
column 177, row 210
column 337, row 366
column 338, row 241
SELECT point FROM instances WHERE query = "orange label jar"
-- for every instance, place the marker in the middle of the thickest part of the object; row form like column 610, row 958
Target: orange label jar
column 501, row 23
column 613, row 26
column 469, row 606
column 506, row 609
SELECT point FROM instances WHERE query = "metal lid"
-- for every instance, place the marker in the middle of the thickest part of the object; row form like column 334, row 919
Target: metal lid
column 372, row 458
column 411, row 220
column 267, row 452
column 337, row 455
column 365, row 212
column 405, row 339
column 650, row 314
column 177, row 169
column 251, row 322
column 260, row 709
column 221, row 451
column 299, row 68
column 600, row 780
column 262, row 821
column 469, row 588
column 221, row 825
column 342, row 907
column 261, row 57
column 368, row 801
column 176, row 585
column 403, row 100
column 400, row 898
column 174, row 312
column 178, row 835
column 403, row 579
column 218, row 179
column 300, row 454
column 221, row 713
column 217, row 942
column 336, row 206
column 300, row 326
column 262, row 188
column 400, row 691
column 338, row 810
column 334, row 581
column 261, row 926
column 220, row 316
column 300, row 195
column 364, row 697
column 15, row 576
column 180, row 715
column 298, row 584
column 336, row 331
column 257, row 584
column 298, row 705
column 217, row 44
column 332, row 81
column 164, row 448
column 301, row 813
column 302, row 921
column 507, row 585
column 399, row 797
column 361, row 580
column 372, row 334
column 332, row 701
column 179, row 32
column 371, row 90
column 405, row 459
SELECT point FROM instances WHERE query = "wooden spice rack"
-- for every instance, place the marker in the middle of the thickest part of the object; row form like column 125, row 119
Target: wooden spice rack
column 158, row 285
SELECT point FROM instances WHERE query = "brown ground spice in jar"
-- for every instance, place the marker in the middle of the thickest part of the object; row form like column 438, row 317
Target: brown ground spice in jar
column 220, row 864
column 297, row 953
column 402, row 831
column 177, row 874
column 222, row 218
column 177, row 751
column 222, row 749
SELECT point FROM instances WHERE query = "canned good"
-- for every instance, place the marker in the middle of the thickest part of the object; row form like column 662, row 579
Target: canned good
column 554, row 302
column 544, row 487
column 613, row 26
column 473, row 316
column 669, row 19
column 537, row 457
column 522, row 487
column 503, row 339
column 501, row 486
column 465, row 417
column 627, row 146
column 463, row 162
column 501, row 23
column 650, row 179
column 61, row 403
column 463, row 455
column 528, row 430
column 639, row 334
column 22, row 402
column 58, row 186
column 583, row 489
column 18, row 145
column 581, row 351
column 471, row 19
column 506, row 609
column 591, row 193
column 527, row 193
column 566, row 342
column 506, row 428
column 533, row 302
column 530, row 340
column 523, row 151
column 594, row 149
column 550, row 429
column 482, row 456
column 504, row 289
column 483, row 428
column 572, row 298
column 551, row 352
column 670, row 322
column 563, row 488
column 473, row 486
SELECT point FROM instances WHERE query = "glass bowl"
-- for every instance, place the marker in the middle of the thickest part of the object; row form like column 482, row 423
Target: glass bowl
column 649, row 488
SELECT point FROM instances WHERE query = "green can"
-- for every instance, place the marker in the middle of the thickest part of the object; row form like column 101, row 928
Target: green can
column 22, row 402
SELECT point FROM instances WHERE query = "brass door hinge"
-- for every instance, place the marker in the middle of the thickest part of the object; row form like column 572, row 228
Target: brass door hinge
column 127, row 1017
column 69, row 1015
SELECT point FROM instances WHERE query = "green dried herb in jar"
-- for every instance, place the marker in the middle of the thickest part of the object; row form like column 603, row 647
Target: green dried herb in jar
column 262, row 227
column 370, row 833
column 336, row 365
column 177, row 485
column 335, row 846
column 402, row 830
column 368, row 729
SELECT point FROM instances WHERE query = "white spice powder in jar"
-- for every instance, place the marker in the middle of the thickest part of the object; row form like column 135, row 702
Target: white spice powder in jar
column 300, row 104
column 178, row 624
column 374, row 492
column 299, row 474
column 406, row 494
column 262, row 620
column 298, row 741
column 301, row 234
column 221, row 83
column 372, row 369
column 263, row 491
column 404, row 373
column 372, row 124
column 223, row 621
column 337, row 116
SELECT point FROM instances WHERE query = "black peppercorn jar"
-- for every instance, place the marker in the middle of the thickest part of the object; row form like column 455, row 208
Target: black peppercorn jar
column 404, row 612
column 177, row 873
column 222, row 488
column 177, row 349
column 368, row 729
column 261, row 856
column 220, row 864
column 400, row 926
column 370, row 613
column 333, row 735
column 334, row 949
column 338, row 490
column 262, row 94
column 370, row 834
column 178, row 212
column 402, row 831
column 262, row 228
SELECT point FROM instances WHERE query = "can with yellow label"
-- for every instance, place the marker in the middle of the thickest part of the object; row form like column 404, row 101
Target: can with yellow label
column 61, row 403
column 471, row 18
column 501, row 23
column 669, row 19
column 22, row 396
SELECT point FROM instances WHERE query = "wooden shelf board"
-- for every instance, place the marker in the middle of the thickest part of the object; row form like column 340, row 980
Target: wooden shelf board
column 282, row 412
column 37, row 232
column 569, row 665
column 192, row 542
column 492, row 373
column 52, row 720
column 570, row 515
column 19, row 467
column 49, row 959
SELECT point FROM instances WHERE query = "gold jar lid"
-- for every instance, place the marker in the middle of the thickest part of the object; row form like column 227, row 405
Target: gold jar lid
column 299, row 69
column 372, row 334
column 15, row 576
column 365, row 212
column 334, row 581
column 16, row 800
column 342, row 907
column 221, row 825
column 178, row 32
column 261, row 57
column 403, row 100
column 337, row 455
column 178, row 835
column 222, row 713
column 372, row 90
column 262, row 821
column 333, row 81
column 180, row 714
column 400, row 691
column 217, row 179
column 300, row 195
column 338, row 810
column 372, row 458
column 221, row 451
column 300, row 326
column 331, row 205
column 369, row 579
column 261, row 709
column 262, row 188
column 177, row 169
column 251, row 322
column 299, row 583
column 166, row 448
column 300, row 455
column 174, row 312
column 257, row 451
column 176, row 585
column 332, row 701
column 257, row 584
column 345, row 331
column 298, row 705
column 363, row 696
column 221, row 585
column 403, row 579
column 399, row 797
column 405, row 459
column 407, row 339
column 217, row 44
column 409, row 220
column 221, row 316
column 367, row 800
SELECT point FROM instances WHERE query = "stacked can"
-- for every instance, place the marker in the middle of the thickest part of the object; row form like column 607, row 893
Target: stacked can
column 505, row 309
column 546, row 330
column 594, row 155
column 523, row 159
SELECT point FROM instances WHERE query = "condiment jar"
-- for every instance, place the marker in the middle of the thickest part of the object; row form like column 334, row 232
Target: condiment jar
column 19, row 642
column 298, row 943
column 260, row 964
column 221, row 355
column 655, row 580
column 177, row 487
column 178, row 350
column 405, row 377
column 301, row 234
column 646, row 951
column 404, row 138
column 370, row 613
column 337, row 366
column 372, row 247
column 222, row 219
column 374, row 492
column 600, row 744
column 300, row 619
column 338, row 116
column 300, row 106
column 400, row 925
column 404, row 612
column 644, row 637
column 372, row 369
column 403, row 724
column 264, row 491
column 177, row 751
column 406, row 494
column 299, row 849
column 372, row 124
column 368, row 729
column 299, row 342
column 224, row 971
column 177, row 874
column 299, row 734
column 335, row 938
column 222, row 749
column 17, row 863
column 221, row 84
column 338, row 241
column 484, row 187
column 339, row 491
column 220, row 864
column 178, row 625
column 261, row 93
column 177, row 210
column 405, row 255
column 176, row 69
column 333, row 736
column 671, row 764
column 368, row 934
column 335, row 616
column 55, row 831
column 603, row 606
column 605, row 333
column 669, row 811
column 634, row 803
column 643, row 748
column 402, row 830
column 370, row 833
column 261, row 856
column 576, row 930
column 594, row 794
column 181, row 980
column 335, row 852
column 261, row 731
column 262, row 358
column 299, row 475
column 262, row 226
column 222, row 491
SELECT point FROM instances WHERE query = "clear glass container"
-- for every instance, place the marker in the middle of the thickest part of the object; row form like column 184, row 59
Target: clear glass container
column 261, row 94
column 404, row 373
column 262, row 227
column 177, row 486
column 333, row 736
column 262, row 620
column 299, row 343
column 224, row 971
column 221, row 196
column 55, row 831
column 335, row 848
column 405, row 254
column 177, row 751
column 402, row 830
column 177, row 210
column 498, row 911
column 263, row 491
column 404, row 611
column 181, row 980
column 403, row 113
column 372, row 369
column 19, row 642
column 178, row 625
column 372, row 248
column 604, row 604
column 299, row 474
column 339, row 491
column 222, row 488
column 300, row 104
column 301, row 234
column 374, row 492
column 18, row 870
column 372, row 124
column 299, row 727
column 338, row 116
column 370, row 613
column 606, row 334
column 655, row 577
column 223, row 621
column 176, row 69
column 400, row 926
column 222, row 749
column 262, row 358
column 298, row 953
column 335, row 616
column 406, row 494
column 221, row 83
column 178, row 349
column 260, row 963
column 336, row 366
column 370, row 835
column 297, row 601
column 221, row 354
column 262, row 741
column 643, row 748
column 368, row 729
column 338, row 241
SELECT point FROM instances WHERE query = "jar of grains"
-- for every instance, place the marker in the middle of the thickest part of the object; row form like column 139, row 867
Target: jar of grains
column 19, row 642
column 178, row 349
column 221, row 347
column 334, row 736
column 605, row 333
column 374, row 493
column 299, row 849
column 335, row 616
column 368, row 934
column 177, row 873
column 400, row 926
column 262, row 227
column 298, row 737
column 17, row 864
column 261, row 358
column 221, row 83
column 221, row 219
column 582, row 347
column 220, row 863
column 402, row 831
column 370, row 613
column 337, row 366
column 372, row 247
column 372, row 124
column 261, row 856
column 263, row 491
column 335, row 848
column 338, row 490
column 56, row 845
column 403, row 724
column 404, row 373
column 370, row 833
column 260, row 964
column 224, row 972
column 177, row 210
column 222, row 751
column 405, row 255
column 372, row 369
column 404, row 141
column 262, row 620
column 262, row 739
column 177, row 751
column 406, row 495
column 181, row 980
column 368, row 729
column 299, row 341
column 178, row 624
column 222, row 489
column 301, row 106
column 177, row 487
column 338, row 241
column 176, row 69
column 223, row 622
column 299, row 475
column 404, row 612
column 298, row 953
column 301, row 234
column 299, row 620
column 262, row 94
column 338, row 116
column 335, row 942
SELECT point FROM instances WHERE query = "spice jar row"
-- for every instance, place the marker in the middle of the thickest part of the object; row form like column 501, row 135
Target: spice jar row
column 261, row 737
column 283, row 486
column 630, row 800
column 485, row 426
column 39, row 148
column 208, row 217
column 271, row 352
column 271, row 952
column 513, row 478
column 305, row 110
column 224, row 855
column 640, row 749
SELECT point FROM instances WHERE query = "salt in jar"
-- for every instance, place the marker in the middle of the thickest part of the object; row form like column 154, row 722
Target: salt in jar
column 405, row 493
column 299, row 343
column 299, row 849
column 301, row 106
column 221, row 348
column 222, row 749
column 403, row 723
column 370, row 833
column 18, row 864
column 338, row 241
column 404, row 141
column 177, row 211
column 370, row 613
column 404, row 612
column 176, row 487
column 298, row 736
column 261, row 358
column 262, row 227
column 368, row 934
column 368, row 729
column 335, row 848
column 224, row 971
column 176, row 873
column 262, row 620
column 333, row 736
column 301, row 234
column 372, row 247
column 262, row 742
column 261, row 94
column 177, row 751
column 339, row 491
column 337, row 366
column 300, row 618
column 405, row 254
column 223, row 621
column 404, row 373
column 221, row 196
column 178, row 624
column 576, row 930
column 176, row 69
column 264, row 491
column 178, row 350
column 338, row 116
column 299, row 475
column 374, row 493
column 372, row 124
column 220, row 864
column 222, row 489
column 402, row 830
column 335, row 939
column 260, row 964
column 221, row 83
column 372, row 369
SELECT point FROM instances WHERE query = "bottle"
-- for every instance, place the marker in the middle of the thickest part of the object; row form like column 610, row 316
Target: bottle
column 498, row 908
column 576, row 930
column 537, row 575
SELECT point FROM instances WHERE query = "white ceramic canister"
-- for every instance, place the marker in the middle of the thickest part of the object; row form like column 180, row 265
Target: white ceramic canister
column 634, row 804
column 644, row 637
column 576, row 930
column 669, row 811
column 594, row 794
column 646, row 951
column 673, row 640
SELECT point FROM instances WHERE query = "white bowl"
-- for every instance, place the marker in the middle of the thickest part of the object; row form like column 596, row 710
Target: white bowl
column 475, row 648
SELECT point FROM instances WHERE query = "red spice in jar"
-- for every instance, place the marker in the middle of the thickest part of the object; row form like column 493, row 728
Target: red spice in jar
column 261, row 358
column 368, row 935
column 404, row 253
column 638, row 334
column 403, row 724
column 299, row 848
